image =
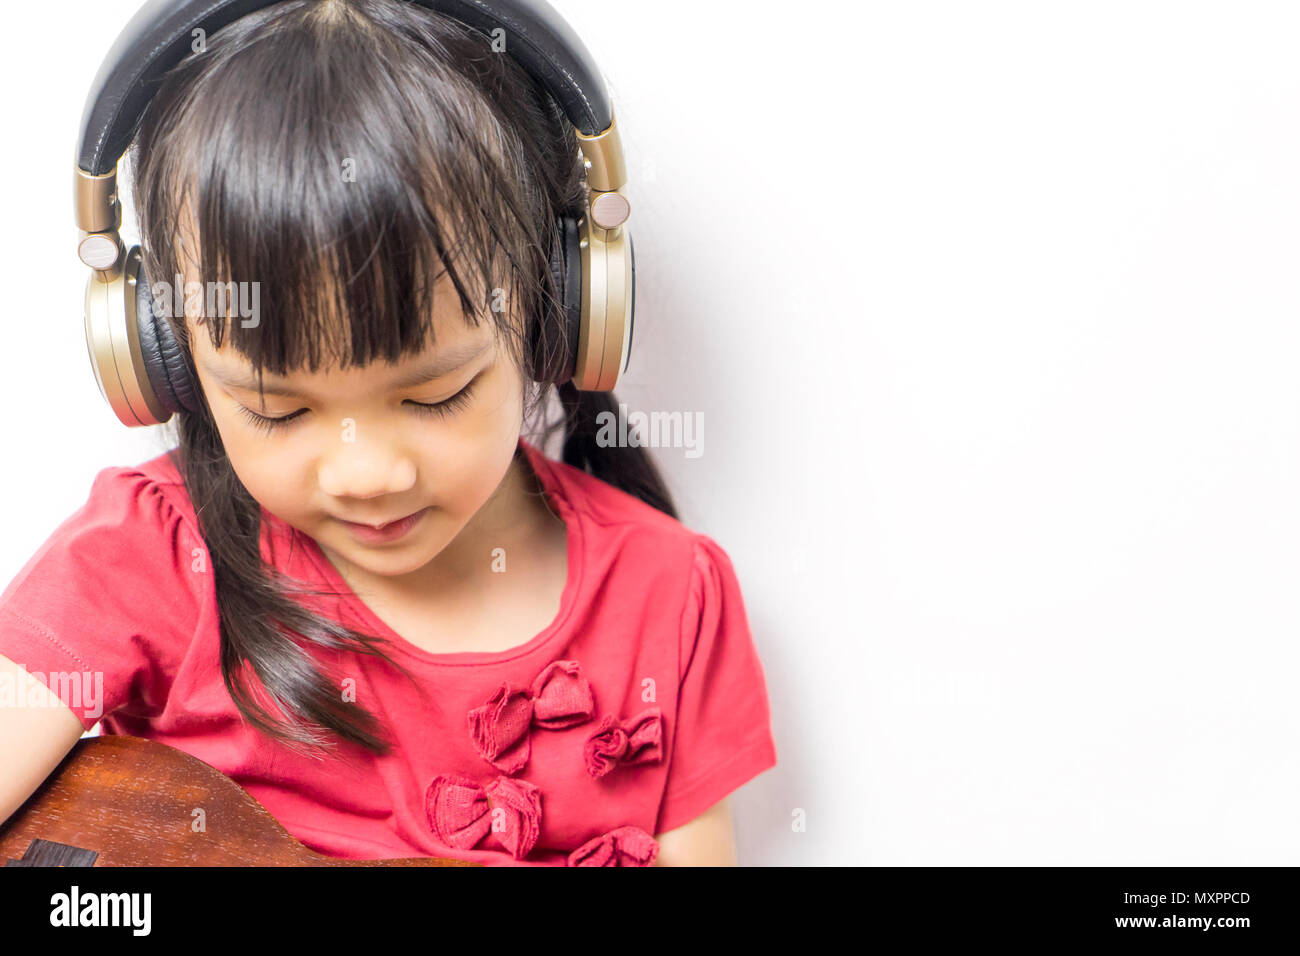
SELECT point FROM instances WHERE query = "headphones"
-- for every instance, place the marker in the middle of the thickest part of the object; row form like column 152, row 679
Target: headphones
column 139, row 366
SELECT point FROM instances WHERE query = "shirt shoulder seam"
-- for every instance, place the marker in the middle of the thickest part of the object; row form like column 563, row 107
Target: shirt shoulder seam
column 40, row 629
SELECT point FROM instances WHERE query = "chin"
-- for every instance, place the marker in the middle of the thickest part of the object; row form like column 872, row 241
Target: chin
column 388, row 562
column 389, row 566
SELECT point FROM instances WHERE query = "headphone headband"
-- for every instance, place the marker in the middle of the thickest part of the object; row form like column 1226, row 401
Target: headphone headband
column 160, row 35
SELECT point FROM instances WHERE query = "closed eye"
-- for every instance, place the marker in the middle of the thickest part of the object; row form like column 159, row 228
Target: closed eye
column 443, row 409
column 448, row 406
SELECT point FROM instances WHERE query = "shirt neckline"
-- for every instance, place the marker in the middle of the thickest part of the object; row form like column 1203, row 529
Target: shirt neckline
column 575, row 533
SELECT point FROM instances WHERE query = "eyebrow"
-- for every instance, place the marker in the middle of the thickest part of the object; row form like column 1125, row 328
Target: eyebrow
column 445, row 362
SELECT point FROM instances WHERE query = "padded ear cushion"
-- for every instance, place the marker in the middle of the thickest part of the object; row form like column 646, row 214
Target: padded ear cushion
column 164, row 360
column 571, row 244
column 631, row 322
column 566, row 273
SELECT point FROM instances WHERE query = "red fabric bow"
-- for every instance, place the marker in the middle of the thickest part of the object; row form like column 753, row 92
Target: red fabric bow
column 635, row 741
column 559, row 697
column 461, row 812
column 626, row 846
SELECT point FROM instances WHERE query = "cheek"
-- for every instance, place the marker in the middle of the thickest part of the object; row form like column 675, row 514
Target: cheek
column 253, row 461
column 500, row 402
column 259, row 472
column 467, row 470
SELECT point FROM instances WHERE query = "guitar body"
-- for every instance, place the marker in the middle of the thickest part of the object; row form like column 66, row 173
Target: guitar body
column 127, row 801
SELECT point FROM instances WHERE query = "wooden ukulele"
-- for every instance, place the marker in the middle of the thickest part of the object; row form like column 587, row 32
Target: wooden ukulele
column 126, row 801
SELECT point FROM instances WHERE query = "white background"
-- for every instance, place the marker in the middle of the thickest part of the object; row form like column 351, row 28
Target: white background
column 991, row 313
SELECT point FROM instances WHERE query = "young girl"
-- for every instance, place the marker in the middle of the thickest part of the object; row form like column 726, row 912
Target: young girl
column 354, row 587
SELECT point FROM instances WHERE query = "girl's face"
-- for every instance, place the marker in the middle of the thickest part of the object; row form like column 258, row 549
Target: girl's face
column 354, row 446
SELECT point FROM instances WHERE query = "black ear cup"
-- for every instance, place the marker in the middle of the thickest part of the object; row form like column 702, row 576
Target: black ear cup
column 566, row 273
column 164, row 360
column 631, row 320
column 572, row 289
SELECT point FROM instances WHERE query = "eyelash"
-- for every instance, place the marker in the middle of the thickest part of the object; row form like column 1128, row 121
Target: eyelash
column 443, row 409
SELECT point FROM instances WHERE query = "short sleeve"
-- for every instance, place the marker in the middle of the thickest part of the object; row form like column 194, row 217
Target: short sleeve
column 104, row 606
column 722, row 736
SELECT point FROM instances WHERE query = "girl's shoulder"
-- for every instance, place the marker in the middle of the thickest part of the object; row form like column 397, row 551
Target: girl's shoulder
column 146, row 503
column 159, row 474
column 156, row 479
column 117, row 591
column 619, row 522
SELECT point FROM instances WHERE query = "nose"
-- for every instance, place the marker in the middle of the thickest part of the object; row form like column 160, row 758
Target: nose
column 368, row 470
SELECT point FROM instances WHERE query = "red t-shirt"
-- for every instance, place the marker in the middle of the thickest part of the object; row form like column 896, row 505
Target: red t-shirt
column 638, row 708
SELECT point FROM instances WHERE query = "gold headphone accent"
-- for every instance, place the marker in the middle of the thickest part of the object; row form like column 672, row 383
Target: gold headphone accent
column 606, row 267
column 113, row 343
column 98, row 209
column 99, row 217
column 606, row 170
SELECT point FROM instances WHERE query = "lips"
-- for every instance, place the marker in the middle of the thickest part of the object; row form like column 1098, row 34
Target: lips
column 382, row 525
column 387, row 533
